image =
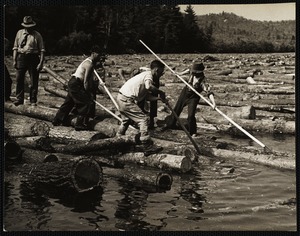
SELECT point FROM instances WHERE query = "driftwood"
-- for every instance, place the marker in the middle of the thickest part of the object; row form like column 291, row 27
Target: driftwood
column 74, row 175
column 162, row 161
column 141, row 177
column 18, row 126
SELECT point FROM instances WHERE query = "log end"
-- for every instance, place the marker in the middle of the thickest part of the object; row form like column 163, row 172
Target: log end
column 186, row 165
column 40, row 128
column 50, row 158
column 164, row 181
column 86, row 175
column 188, row 152
column 12, row 150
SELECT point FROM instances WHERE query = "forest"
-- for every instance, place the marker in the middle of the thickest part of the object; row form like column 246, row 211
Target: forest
column 118, row 28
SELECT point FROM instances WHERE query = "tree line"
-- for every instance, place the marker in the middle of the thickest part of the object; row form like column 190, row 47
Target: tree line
column 74, row 29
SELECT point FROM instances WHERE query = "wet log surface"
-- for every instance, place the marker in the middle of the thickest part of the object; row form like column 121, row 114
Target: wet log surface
column 73, row 175
column 141, row 177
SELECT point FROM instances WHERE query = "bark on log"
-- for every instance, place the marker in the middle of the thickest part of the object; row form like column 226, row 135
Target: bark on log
column 162, row 161
column 278, row 160
column 37, row 142
column 34, row 112
column 22, row 126
column 55, row 75
column 141, row 177
column 68, row 133
column 257, row 105
column 116, row 144
column 56, row 91
column 266, row 126
column 255, row 89
column 75, row 175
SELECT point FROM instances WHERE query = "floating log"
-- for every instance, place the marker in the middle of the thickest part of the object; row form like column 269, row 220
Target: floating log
column 278, row 160
column 55, row 75
column 21, row 126
column 257, row 105
column 116, row 144
column 251, row 88
column 68, row 133
column 162, row 161
column 56, row 91
column 225, row 72
column 31, row 111
column 37, row 142
column 141, row 177
column 266, row 126
column 213, row 149
column 74, row 175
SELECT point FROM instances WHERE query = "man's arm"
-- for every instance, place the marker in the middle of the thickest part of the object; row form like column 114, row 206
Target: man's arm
column 149, row 86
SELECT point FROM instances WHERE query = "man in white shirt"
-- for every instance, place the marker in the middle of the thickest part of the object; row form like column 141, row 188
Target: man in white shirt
column 135, row 90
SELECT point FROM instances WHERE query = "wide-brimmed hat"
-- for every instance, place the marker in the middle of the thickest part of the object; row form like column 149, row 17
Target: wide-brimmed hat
column 28, row 22
column 197, row 67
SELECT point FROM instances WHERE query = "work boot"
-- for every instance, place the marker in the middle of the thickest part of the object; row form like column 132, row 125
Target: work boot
column 17, row 103
column 79, row 126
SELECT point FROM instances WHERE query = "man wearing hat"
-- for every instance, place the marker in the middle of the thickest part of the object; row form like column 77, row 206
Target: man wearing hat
column 189, row 98
column 80, row 93
column 28, row 55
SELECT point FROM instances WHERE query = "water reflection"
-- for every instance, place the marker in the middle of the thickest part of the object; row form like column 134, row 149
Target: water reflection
column 131, row 209
column 192, row 189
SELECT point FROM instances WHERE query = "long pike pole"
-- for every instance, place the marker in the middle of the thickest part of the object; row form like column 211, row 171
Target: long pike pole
column 106, row 89
column 184, row 129
column 220, row 112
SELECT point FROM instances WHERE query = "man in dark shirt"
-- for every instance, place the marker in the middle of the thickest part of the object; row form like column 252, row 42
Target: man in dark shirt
column 189, row 98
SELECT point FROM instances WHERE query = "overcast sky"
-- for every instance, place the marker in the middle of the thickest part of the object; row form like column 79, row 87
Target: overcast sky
column 268, row 12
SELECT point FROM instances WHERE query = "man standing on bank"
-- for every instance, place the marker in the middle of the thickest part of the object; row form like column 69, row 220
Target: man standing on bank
column 189, row 98
column 28, row 55
column 80, row 92
column 135, row 90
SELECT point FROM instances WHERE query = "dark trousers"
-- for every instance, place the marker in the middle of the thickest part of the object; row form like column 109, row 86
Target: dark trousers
column 186, row 98
column 8, row 83
column 27, row 62
column 77, row 97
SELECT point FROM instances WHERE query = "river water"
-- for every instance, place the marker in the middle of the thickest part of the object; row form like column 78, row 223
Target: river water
column 219, row 195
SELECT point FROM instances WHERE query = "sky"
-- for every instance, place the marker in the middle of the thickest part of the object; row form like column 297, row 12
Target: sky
column 262, row 12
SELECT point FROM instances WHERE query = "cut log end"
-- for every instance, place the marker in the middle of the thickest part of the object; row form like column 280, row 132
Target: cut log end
column 186, row 165
column 164, row 181
column 40, row 128
column 86, row 175
column 12, row 150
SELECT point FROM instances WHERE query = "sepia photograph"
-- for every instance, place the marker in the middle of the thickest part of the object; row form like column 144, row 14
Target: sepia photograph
column 149, row 117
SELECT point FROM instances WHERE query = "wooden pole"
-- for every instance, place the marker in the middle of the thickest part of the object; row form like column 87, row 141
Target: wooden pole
column 106, row 89
column 184, row 129
column 216, row 109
